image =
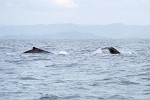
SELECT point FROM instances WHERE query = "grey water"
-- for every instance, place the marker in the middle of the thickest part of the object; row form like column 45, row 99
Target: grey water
column 75, row 70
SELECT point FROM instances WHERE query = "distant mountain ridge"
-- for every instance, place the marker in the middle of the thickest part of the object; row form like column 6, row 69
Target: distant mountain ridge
column 73, row 31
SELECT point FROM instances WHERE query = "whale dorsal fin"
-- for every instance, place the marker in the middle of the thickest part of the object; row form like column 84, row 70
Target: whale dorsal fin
column 34, row 48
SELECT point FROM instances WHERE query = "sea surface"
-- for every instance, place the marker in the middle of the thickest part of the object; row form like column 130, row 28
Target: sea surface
column 75, row 70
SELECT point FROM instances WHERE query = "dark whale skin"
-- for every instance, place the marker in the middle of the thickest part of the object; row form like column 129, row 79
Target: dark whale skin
column 113, row 50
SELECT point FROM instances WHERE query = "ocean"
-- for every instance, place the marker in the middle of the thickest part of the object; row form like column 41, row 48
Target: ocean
column 75, row 70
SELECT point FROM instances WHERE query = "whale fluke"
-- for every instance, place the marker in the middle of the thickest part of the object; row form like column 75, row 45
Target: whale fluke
column 36, row 50
column 112, row 50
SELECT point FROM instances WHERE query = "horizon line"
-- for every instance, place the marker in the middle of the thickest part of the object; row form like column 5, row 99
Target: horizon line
column 76, row 24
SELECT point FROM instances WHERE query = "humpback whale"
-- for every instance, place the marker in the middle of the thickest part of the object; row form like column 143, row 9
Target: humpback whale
column 36, row 50
column 112, row 50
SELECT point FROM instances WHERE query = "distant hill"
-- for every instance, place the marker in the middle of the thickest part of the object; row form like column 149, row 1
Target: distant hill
column 73, row 35
column 73, row 31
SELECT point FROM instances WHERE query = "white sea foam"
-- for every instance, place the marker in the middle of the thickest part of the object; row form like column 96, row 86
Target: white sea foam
column 97, row 51
column 125, row 52
column 63, row 53
column 10, row 54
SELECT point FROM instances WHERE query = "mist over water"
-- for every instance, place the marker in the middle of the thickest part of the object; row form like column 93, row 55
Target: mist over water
column 75, row 70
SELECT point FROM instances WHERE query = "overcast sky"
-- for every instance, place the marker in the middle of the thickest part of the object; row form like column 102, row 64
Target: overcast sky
column 29, row 12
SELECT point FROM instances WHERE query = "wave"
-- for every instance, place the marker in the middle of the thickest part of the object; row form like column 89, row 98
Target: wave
column 62, row 65
column 49, row 97
column 127, row 82
column 28, row 78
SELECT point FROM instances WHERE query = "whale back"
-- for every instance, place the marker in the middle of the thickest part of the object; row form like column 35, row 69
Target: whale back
column 113, row 50
column 36, row 50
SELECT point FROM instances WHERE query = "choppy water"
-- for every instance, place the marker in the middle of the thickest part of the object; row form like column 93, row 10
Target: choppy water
column 75, row 70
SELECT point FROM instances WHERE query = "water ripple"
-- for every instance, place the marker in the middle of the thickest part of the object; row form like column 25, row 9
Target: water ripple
column 49, row 97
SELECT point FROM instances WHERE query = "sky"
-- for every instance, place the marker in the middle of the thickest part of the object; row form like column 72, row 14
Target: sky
column 86, row 12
